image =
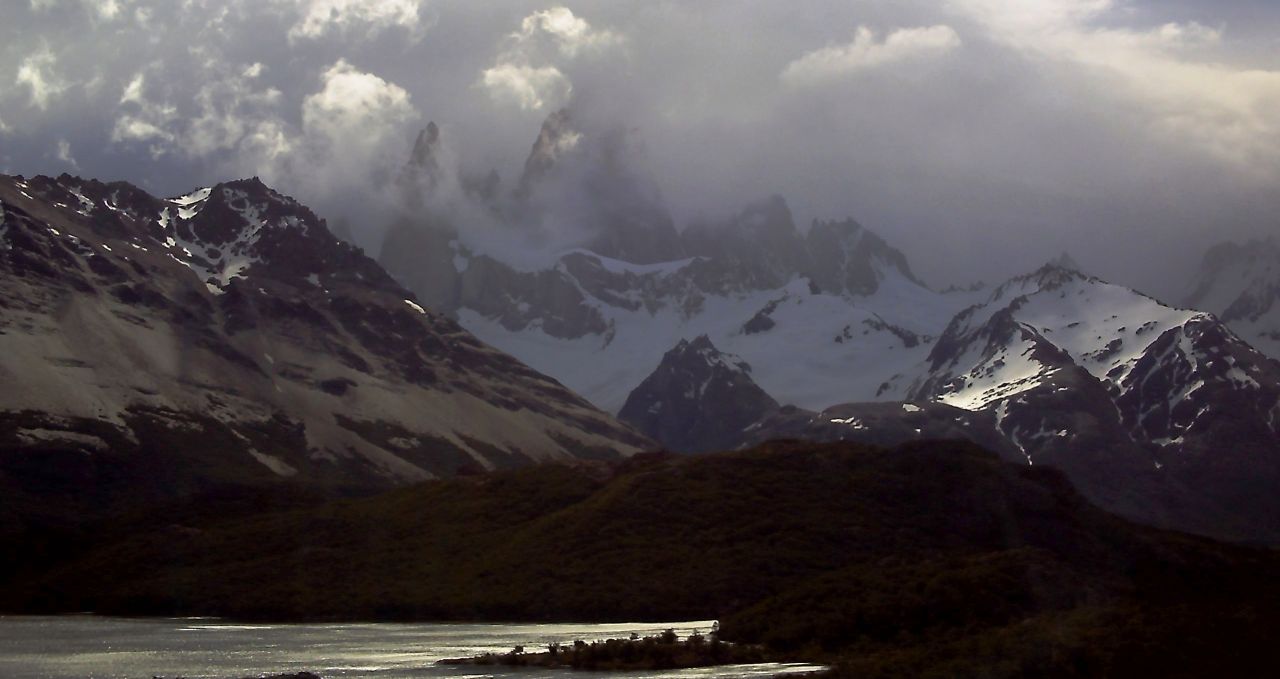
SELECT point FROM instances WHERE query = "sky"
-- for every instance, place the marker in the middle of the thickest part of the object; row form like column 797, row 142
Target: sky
column 981, row 137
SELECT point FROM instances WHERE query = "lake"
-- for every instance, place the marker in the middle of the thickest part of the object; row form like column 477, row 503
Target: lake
column 75, row 647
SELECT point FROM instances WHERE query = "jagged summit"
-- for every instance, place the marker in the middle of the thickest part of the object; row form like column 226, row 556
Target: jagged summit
column 422, row 173
column 556, row 138
column 1065, row 261
column 698, row 399
column 424, row 148
column 848, row 258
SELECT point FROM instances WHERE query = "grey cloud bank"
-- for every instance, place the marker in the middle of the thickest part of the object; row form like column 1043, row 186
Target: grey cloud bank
column 979, row 136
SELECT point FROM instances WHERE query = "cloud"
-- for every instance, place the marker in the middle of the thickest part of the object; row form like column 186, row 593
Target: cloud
column 354, row 105
column 106, row 10
column 571, row 34
column 64, row 154
column 1230, row 112
column 525, row 75
column 351, row 138
column 234, row 109
column 866, row 52
column 142, row 119
column 37, row 72
column 232, row 113
column 529, row 87
column 1118, row 130
column 323, row 17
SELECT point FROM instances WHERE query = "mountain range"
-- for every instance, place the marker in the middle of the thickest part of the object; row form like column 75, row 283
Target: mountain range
column 196, row 387
column 155, row 347
column 161, row 347
column 1167, row 414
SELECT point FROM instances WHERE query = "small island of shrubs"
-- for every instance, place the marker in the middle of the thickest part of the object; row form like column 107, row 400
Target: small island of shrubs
column 664, row 651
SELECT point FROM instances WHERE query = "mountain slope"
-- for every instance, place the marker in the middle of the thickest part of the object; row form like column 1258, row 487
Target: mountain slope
column 698, row 399
column 1156, row 412
column 226, row 337
column 1241, row 285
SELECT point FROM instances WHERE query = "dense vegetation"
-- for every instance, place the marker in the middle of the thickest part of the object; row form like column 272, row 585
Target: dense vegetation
column 660, row 652
column 929, row 558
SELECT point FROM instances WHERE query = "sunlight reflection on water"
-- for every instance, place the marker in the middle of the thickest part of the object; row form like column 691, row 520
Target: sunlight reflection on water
column 75, row 647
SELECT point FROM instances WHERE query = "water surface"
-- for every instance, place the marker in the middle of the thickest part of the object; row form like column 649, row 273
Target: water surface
column 76, row 647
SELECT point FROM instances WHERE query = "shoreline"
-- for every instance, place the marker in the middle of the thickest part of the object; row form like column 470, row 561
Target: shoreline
column 666, row 651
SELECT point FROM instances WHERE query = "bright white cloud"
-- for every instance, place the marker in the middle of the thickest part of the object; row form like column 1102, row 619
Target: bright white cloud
column 525, row 75
column 133, row 91
column 135, row 128
column 1232, row 113
column 571, row 34
column 142, row 119
column 320, row 17
column 353, row 103
column 865, row 52
column 353, row 129
column 106, row 10
column 63, row 153
column 531, row 88
column 38, row 72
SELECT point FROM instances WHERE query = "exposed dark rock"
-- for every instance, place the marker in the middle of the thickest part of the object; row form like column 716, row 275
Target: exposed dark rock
column 698, row 399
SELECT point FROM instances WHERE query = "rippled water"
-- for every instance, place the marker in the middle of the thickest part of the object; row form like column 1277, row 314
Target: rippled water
column 74, row 647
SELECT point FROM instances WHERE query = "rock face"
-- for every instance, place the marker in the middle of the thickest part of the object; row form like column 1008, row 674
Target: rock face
column 1156, row 412
column 1241, row 285
column 697, row 400
column 753, row 282
column 847, row 258
column 225, row 337
column 889, row 423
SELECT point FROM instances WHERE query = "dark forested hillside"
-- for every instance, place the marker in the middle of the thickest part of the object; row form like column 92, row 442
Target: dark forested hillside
column 919, row 556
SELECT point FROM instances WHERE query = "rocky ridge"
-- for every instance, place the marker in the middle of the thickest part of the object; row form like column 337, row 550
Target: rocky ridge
column 225, row 336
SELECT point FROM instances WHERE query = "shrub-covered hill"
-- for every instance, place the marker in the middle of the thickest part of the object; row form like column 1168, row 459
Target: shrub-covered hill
column 920, row 556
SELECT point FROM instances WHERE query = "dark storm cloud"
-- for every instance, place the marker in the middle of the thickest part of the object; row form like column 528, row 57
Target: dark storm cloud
column 980, row 136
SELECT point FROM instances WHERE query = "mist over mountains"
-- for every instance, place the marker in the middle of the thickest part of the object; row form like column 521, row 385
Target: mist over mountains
column 699, row 335
column 913, row 338
column 980, row 141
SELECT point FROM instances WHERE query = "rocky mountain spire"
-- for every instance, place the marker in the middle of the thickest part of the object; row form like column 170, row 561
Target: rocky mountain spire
column 421, row 174
column 556, row 138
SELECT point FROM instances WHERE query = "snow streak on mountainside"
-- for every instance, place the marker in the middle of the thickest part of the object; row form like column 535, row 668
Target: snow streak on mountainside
column 230, row 325
column 805, row 308
column 1056, row 317
column 1156, row 364
column 1241, row 284
column 811, row 348
column 1162, row 414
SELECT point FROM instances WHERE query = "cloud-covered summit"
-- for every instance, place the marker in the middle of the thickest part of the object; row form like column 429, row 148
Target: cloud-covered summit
column 979, row 134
